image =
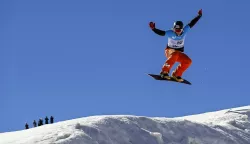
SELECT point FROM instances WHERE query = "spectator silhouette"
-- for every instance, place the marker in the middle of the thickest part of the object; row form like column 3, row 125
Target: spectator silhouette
column 51, row 119
column 46, row 120
column 40, row 122
column 34, row 123
column 26, row 126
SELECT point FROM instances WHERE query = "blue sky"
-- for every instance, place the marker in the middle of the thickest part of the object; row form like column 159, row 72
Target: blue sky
column 77, row 58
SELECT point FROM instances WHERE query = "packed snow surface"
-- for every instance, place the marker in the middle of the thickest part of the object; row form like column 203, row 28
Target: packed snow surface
column 231, row 126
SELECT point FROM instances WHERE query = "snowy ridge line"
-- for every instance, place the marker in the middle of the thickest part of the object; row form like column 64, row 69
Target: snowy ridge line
column 230, row 126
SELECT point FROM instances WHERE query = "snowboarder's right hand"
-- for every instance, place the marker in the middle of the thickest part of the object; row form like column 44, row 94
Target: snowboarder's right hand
column 200, row 12
column 152, row 25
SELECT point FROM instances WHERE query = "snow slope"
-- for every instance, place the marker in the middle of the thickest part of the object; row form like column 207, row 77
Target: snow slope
column 220, row 127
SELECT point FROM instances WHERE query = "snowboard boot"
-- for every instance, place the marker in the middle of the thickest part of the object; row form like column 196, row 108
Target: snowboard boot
column 177, row 78
column 165, row 75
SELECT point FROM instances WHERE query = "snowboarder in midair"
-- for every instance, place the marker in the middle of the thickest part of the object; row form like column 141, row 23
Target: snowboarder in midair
column 175, row 47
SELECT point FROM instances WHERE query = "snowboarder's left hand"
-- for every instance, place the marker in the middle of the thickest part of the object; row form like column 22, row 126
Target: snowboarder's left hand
column 200, row 12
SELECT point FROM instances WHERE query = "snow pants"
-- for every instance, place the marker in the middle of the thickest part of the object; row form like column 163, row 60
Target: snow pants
column 176, row 56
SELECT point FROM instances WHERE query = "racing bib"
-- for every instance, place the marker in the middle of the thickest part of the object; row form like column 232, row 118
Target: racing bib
column 176, row 43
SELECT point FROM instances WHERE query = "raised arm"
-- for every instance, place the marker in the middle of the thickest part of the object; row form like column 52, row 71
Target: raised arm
column 157, row 31
column 196, row 19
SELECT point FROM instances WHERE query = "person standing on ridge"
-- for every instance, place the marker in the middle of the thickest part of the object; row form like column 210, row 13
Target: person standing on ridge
column 175, row 47
column 46, row 120
column 40, row 122
column 26, row 126
column 51, row 119
column 34, row 123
